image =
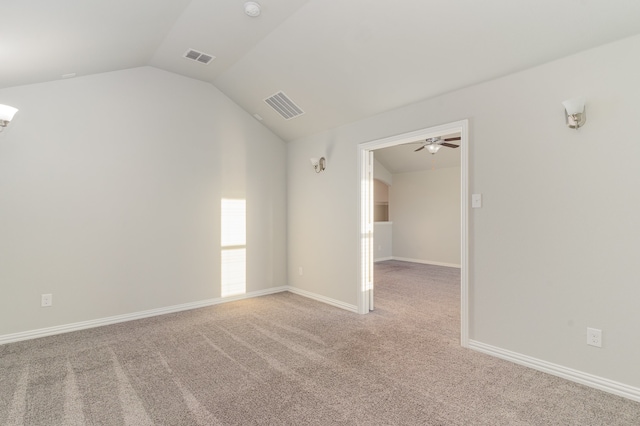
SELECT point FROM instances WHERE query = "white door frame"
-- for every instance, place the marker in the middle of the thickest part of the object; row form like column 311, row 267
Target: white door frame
column 365, row 183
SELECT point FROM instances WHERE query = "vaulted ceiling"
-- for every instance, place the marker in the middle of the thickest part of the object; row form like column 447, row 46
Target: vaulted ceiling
column 340, row 61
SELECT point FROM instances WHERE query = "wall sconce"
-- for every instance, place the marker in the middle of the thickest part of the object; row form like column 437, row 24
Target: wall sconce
column 319, row 164
column 574, row 112
column 6, row 115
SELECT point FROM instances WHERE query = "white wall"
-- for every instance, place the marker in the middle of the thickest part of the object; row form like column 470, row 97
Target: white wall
column 110, row 189
column 383, row 241
column 380, row 172
column 382, row 231
column 554, row 248
column 425, row 211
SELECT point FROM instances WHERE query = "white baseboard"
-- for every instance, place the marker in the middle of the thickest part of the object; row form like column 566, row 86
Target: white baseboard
column 587, row 379
column 66, row 328
column 382, row 259
column 323, row 299
column 426, row 262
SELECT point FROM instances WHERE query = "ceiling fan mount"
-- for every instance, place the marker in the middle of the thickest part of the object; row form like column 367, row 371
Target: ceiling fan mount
column 434, row 144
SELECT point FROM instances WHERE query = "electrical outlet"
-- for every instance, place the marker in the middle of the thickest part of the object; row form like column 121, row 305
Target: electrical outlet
column 46, row 300
column 300, row 270
column 594, row 337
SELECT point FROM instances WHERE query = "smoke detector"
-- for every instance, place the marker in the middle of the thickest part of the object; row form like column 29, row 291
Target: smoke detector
column 251, row 8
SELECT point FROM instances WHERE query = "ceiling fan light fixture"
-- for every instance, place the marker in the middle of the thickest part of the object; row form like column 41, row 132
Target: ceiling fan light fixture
column 433, row 148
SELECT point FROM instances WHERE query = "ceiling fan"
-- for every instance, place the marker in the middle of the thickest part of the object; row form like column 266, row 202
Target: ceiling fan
column 434, row 144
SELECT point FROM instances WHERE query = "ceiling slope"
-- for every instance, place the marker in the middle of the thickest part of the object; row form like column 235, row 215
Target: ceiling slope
column 338, row 61
column 41, row 40
column 343, row 61
column 219, row 28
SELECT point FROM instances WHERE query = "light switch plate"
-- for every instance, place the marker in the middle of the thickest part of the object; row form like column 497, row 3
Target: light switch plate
column 476, row 201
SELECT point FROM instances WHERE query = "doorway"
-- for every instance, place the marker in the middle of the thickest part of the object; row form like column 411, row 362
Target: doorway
column 365, row 282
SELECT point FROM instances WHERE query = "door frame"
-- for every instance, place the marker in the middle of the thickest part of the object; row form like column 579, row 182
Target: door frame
column 365, row 184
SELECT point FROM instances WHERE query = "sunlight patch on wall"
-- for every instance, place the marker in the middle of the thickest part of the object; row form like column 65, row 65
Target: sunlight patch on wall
column 234, row 250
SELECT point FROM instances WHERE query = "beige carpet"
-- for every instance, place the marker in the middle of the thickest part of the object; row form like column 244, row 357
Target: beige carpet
column 284, row 359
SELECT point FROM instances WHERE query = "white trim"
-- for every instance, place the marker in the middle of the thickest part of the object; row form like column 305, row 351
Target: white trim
column 67, row 328
column 77, row 326
column 323, row 299
column 382, row 259
column 464, row 233
column 365, row 148
column 426, row 262
column 587, row 379
column 366, row 226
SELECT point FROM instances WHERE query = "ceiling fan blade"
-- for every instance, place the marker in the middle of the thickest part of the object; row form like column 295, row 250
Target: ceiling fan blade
column 421, row 148
column 450, row 145
column 452, row 139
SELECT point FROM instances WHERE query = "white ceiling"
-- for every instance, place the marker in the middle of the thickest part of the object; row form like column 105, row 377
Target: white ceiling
column 340, row 61
column 404, row 158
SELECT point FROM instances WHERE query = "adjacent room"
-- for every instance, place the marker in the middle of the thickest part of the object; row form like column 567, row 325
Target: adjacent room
column 308, row 212
column 417, row 202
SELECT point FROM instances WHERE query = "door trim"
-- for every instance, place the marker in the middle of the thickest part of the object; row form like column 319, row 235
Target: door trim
column 365, row 181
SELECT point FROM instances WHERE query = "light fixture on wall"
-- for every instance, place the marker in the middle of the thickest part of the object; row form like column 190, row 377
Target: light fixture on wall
column 574, row 112
column 6, row 115
column 319, row 164
column 251, row 8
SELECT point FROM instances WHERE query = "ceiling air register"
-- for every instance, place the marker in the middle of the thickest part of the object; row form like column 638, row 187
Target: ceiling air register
column 194, row 55
column 284, row 106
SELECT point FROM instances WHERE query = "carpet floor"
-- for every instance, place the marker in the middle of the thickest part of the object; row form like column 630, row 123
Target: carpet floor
column 287, row 360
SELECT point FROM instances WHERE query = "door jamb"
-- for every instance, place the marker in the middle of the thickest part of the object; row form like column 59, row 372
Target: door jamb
column 365, row 175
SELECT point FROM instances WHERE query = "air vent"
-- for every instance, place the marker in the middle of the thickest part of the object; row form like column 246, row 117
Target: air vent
column 194, row 55
column 284, row 106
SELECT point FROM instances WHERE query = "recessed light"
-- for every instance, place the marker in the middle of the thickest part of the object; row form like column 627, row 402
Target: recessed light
column 251, row 8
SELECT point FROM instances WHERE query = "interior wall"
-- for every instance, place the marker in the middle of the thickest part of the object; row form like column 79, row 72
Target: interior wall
column 383, row 241
column 110, row 193
column 381, row 173
column 382, row 231
column 425, row 211
column 553, row 250
column 380, row 201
